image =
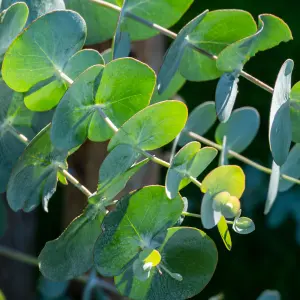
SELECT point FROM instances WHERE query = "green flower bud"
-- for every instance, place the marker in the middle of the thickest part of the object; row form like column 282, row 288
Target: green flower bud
column 219, row 200
column 231, row 208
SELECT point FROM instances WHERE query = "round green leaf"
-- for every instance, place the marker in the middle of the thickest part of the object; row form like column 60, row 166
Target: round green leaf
column 226, row 93
column 35, row 174
column 273, row 187
column 213, row 34
column 102, row 21
column 291, row 167
column 224, row 233
column 280, row 131
column 189, row 161
column 209, row 216
column 34, row 61
column 175, row 53
column 240, row 130
column 225, row 178
column 153, row 127
column 186, row 252
column 271, row 32
column 71, row 254
column 243, row 225
column 295, row 112
column 139, row 221
column 13, row 20
column 120, row 89
column 201, row 119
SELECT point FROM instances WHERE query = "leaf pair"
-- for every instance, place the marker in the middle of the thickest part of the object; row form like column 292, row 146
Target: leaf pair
column 141, row 221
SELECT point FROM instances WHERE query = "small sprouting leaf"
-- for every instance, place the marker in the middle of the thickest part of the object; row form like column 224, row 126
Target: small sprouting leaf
column 34, row 61
column 119, row 89
column 201, row 119
column 121, row 41
column 209, row 216
column 52, row 289
column 224, row 232
column 240, row 130
column 273, row 187
column 116, row 170
column 102, row 21
column 295, row 112
column 3, row 217
column 280, row 131
column 189, row 259
column 224, row 152
column 243, row 225
column 138, row 220
column 291, row 167
column 225, row 178
column 272, row 31
column 189, row 161
column 71, row 254
column 269, row 295
column 152, row 127
column 175, row 53
column 226, row 93
column 213, row 34
column 35, row 174
column 13, row 20
column 175, row 85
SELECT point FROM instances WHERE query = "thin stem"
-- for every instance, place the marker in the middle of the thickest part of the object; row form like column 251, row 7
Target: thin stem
column 31, row 260
column 187, row 214
column 240, row 157
column 173, row 35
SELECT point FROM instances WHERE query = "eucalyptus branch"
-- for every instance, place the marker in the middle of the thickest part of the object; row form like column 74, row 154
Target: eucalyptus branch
column 240, row 157
column 173, row 35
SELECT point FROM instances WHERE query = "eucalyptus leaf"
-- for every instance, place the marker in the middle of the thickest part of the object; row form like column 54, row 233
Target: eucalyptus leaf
column 201, row 119
column 34, row 61
column 13, row 20
column 71, row 254
column 52, row 289
column 175, row 53
column 186, row 252
column 102, row 21
column 209, row 217
column 280, row 131
column 190, row 161
column 291, row 167
column 240, row 129
column 271, row 32
column 35, row 174
column 107, row 55
column 224, row 233
column 226, row 93
column 273, row 187
column 295, row 112
column 139, row 221
column 152, row 127
column 120, row 89
column 269, row 295
column 214, row 34
column 225, row 178
column 243, row 225
column 224, row 152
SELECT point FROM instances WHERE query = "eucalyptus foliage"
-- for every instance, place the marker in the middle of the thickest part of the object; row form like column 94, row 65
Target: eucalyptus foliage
column 46, row 77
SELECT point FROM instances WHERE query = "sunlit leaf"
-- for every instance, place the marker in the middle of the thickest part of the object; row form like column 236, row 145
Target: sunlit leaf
column 152, row 127
column 35, row 174
column 280, row 131
column 240, row 130
column 224, row 232
column 271, row 32
column 175, row 53
column 71, row 254
column 189, row 254
column 295, row 112
column 213, row 34
column 273, row 187
column 120, row 89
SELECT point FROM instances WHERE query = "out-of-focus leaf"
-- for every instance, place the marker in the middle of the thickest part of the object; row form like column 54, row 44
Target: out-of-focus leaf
column 71, row 254
column 226, row 92
column 224, row 232
column 3, row 217
column 35, row 174
column 201, row 119
column 214, row 34
column 273, row 187
column 152, row 127
column 291, row 167
column 175, row 53
column 240, row 130
column 271, row 32
column 280, row 131
column 52, row 289
column 102, row 21
column 269, row 295
column 2, row 297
